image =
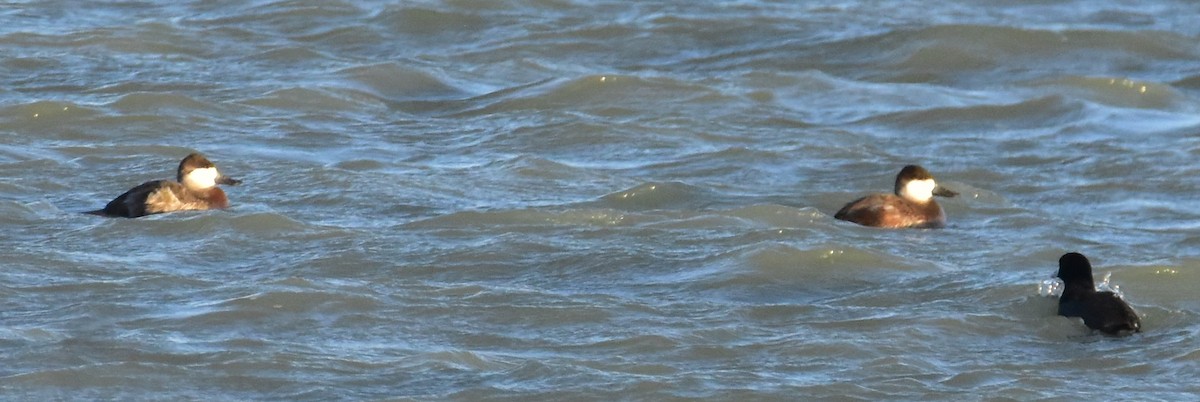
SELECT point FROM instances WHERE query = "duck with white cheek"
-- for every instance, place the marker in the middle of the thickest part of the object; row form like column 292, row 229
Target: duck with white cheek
column 196, row 190
column 912, row 205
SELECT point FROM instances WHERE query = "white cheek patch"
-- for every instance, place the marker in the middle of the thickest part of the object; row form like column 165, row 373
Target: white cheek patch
column 202, row 178
column 920, row 190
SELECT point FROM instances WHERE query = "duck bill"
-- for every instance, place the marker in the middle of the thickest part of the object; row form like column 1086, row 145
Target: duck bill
column 228, row 180
column 943, row 192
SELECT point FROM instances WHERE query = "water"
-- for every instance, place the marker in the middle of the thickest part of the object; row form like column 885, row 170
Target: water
column 557, row 200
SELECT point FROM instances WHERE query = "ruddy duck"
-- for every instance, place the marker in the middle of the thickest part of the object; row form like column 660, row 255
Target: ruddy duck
column 1102, row 311
column 196, row 190
column 912, row 205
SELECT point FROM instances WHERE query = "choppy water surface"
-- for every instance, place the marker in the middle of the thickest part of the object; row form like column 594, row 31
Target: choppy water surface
column 595, row 200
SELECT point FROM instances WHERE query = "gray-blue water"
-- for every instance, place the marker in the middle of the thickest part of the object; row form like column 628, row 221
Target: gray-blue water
column 575, row 200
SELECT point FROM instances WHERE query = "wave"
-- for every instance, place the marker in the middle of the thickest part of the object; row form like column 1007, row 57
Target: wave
column 398, row 82
column 1122, row 92
column 156, row 102
column 1034, row 114
column 44, row 112
column 610, row 96
column 652, row 196
column 953, row 52
column 302, row 99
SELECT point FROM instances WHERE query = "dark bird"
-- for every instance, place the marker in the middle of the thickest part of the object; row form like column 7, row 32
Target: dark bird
column 1102, row 311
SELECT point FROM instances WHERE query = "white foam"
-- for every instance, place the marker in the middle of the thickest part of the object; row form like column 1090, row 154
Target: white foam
column 1052, row 287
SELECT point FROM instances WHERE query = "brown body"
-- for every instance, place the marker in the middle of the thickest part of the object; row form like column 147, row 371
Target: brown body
column 891, row 211
column 156, row 197
column 196, row 190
